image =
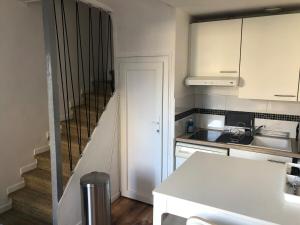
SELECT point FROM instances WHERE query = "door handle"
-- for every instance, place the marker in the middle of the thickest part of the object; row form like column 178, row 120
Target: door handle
column 157, row 124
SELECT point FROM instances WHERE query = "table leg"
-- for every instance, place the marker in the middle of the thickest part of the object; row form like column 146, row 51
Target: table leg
column 159, row 208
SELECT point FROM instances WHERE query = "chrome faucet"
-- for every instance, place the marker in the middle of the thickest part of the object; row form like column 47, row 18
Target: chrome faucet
column 258, row 129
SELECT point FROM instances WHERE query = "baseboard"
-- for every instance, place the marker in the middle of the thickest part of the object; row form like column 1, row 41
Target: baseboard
column 138, row 197
column 6, row 206
column 15, row 187
column 115, row 196
column 41, row 150
column 28, row 167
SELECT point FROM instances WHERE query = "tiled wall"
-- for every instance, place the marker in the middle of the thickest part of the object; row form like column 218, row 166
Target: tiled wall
column 230, row 102
column 184, row 103
column 180, row 125
column 225, row 98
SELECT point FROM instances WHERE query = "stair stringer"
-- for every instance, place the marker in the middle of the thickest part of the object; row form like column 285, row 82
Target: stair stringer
column 101, row 154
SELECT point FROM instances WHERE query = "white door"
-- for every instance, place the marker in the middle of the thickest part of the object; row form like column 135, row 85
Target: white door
column 270, row 60
column 141, row 125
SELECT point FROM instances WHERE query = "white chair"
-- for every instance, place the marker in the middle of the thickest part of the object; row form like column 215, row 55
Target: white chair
column 198, row 221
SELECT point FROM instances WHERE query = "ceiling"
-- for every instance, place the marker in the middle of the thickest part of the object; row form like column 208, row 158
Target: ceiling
column 206, row 7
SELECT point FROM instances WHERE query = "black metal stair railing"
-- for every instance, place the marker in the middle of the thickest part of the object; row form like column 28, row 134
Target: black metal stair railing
column 80, row 73
column 86, row 69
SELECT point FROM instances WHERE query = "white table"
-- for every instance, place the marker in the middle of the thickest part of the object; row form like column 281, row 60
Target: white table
column 226, row 191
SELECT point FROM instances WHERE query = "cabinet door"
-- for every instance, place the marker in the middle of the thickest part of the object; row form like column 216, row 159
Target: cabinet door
column 259, row 156
column 270, row 58
column 215, row 48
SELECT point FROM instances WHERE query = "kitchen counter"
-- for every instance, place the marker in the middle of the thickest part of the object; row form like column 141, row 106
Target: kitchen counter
column 227, row 190
column 295, row 153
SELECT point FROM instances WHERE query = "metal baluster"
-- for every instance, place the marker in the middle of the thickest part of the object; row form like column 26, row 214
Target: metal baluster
column 107, row 62
column 89, row 117
column 67, row 92
column 71, row 73
column 102, row 57
column 93, row 60
column 60, row 69
column 98, row 74
column 83, row 72
column 78, row 77
column 112, row 72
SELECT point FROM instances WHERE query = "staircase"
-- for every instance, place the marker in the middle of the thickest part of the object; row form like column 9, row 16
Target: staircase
column 34, row 202
column 93, row 75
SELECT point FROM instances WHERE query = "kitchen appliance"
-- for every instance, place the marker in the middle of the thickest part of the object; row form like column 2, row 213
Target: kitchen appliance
column 206, row 135
column 238, row 128
column 184, row 150
column 211, row 81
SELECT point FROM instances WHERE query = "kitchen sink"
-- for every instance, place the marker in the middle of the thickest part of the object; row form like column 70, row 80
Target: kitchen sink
column 272, row 142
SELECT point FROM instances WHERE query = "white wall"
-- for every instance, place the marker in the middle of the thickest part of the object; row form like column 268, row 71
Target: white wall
column 226, row 98
column 143, row 27
column 184, row 98
column 23, row 89
column 147, row 28
column 101, row 154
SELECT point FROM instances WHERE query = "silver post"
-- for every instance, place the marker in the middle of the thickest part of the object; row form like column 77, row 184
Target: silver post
column 53, row 104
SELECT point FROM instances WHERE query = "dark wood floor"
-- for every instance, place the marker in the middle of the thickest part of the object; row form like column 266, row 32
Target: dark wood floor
column 124, row 212
column 128, row 212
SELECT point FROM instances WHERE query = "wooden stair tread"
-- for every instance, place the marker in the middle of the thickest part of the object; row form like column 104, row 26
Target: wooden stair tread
column 33, row 203
column 82, row 115
column 73, row 124
column 74, row 140
column 84, row 107
column 44, row 162
column 46, row 155
column 13, row 217
column 75, row 129
column 43, row 175
column 34, row 197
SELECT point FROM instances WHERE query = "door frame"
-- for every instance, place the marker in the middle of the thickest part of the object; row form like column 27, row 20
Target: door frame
column 166, row 118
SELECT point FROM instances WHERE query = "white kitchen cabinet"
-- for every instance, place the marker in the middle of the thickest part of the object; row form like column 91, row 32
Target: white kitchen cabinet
column 270, row 59
column 259, row 156
column 215, row 48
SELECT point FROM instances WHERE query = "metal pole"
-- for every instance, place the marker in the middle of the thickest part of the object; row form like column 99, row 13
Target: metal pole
column 53, row 104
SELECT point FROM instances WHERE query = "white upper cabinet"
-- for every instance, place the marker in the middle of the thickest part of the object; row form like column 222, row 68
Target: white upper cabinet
column 270, row 60
column 215, row 48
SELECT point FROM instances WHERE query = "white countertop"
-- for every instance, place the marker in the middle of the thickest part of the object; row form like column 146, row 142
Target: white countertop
column 246, row 187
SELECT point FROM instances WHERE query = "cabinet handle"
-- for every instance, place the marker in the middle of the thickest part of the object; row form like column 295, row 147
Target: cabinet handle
column 275, row 161
column 285, row 96
column 228, row 71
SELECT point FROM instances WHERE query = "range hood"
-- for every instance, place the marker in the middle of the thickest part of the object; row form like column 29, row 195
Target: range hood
column 212, row 81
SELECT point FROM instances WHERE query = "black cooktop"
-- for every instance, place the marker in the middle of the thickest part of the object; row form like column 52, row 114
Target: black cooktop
column 223, row 137
column 206, row 135
column 239, row 125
